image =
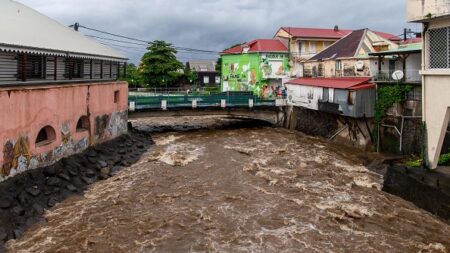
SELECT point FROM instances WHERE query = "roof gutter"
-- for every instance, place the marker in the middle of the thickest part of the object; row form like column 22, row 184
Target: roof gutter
column 50, row 52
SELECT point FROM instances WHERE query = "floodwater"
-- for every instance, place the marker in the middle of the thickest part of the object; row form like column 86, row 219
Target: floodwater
column 238, row 190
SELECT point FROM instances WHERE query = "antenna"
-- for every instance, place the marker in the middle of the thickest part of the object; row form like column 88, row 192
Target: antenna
column 398, row 75
column 359, row 65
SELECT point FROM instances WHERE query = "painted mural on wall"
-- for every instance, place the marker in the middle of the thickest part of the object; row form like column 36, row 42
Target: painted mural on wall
column 260, row 73
column 108, row 126
column 17, row 157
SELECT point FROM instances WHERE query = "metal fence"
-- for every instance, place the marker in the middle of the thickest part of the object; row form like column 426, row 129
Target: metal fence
column 412, row 75
column 232, row 99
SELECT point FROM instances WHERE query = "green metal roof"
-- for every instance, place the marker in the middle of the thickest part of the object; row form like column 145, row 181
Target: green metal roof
column 402, row 49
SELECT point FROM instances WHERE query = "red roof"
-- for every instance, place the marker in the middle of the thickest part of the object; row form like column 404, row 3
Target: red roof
column 330, row 33
column 260, row 45
column 350, row 83
column 411, row 41
column 316, row 32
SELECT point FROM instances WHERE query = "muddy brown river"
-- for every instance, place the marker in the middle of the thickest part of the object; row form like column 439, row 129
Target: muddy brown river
column 238, row 190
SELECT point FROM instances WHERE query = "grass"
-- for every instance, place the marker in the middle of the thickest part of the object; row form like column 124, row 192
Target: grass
column 444, row 160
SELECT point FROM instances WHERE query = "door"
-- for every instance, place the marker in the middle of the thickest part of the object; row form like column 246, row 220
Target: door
column 391, row 67
column 325, row 95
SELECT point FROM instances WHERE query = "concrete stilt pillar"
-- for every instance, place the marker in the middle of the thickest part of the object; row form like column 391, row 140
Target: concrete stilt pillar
column 436, row 124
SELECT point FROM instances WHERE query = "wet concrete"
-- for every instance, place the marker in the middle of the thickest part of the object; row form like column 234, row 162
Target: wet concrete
column 238, row 190
column 429, row 190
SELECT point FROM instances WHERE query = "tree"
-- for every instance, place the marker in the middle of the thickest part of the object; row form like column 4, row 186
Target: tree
column 191, row 75
column 159, row 66
column 219, row 66
column 133, row 77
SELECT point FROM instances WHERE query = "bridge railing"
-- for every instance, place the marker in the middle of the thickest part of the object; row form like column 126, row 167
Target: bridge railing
column 222, row 99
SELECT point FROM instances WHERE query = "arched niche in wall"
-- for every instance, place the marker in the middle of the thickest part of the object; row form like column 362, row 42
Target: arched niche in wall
column 45, row 136
column 83, row 124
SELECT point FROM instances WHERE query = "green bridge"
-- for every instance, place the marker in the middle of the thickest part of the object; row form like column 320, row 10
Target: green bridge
column 139, row 101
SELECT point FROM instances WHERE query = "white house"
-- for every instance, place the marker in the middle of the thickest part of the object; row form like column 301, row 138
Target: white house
column 435, row 16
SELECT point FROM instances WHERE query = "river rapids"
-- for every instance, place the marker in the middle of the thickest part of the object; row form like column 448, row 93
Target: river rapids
column 238, row 190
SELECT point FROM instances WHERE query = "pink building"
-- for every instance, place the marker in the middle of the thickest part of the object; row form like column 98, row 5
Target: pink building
column 59, row 92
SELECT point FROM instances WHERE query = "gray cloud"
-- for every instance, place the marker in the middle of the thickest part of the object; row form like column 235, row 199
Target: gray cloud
column 217, row 24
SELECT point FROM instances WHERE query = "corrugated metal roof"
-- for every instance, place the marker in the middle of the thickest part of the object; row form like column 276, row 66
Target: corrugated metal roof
column 23, row 29
column 316, row 32
column 406, row 48
column 345, row 47
column 259, row 45
column 202, row 66
column 351, row 83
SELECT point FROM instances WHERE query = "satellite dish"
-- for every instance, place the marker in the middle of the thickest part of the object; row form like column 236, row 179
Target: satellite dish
column 359, row 65
column 398, row 75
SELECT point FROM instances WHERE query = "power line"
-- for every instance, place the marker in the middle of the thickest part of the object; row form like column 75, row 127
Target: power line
column 112, row 44
column 112, row 34
column 147, row 42
column 121, row 41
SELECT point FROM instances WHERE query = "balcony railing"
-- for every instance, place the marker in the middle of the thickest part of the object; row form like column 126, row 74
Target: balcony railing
column 412, row 76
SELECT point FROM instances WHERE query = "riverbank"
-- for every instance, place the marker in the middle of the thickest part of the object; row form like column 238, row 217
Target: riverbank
column 26, row 198
column 429, row 190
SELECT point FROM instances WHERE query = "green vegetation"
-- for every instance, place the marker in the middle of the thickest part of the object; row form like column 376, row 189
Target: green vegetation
column 133, row 76
column 388, row 95
column 444, row 160
column 414, row 163
column 190, row 75
column 219, row 66
column 160, row 66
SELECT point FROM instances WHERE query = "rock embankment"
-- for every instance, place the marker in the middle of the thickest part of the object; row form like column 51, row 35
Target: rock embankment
column 24, row 198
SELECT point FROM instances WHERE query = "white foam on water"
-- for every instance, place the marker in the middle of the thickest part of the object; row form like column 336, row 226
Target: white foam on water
column 165, row 140
column 181, row 154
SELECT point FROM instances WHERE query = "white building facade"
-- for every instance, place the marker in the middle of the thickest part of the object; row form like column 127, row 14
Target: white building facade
column 435, row 16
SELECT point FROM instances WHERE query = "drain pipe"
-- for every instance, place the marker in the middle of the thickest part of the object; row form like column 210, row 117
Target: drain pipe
column 400, row 132
column 338, row 132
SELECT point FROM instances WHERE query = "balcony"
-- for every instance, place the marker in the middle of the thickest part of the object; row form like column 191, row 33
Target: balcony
column 411, row 76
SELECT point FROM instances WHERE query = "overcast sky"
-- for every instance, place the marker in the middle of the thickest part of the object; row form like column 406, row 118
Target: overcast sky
column 218, row 24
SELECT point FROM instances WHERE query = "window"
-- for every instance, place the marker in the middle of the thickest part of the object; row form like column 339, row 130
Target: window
column 83, row 124
column 321, row 70
column 310, row 94
column 438, row 48
column 300, row 47
column 74, row 68
column 312, row 47
column 338, row 65
column 45, row 136
column 31, row 67
column 351, row 98
column 206, row 79
column 116, row 96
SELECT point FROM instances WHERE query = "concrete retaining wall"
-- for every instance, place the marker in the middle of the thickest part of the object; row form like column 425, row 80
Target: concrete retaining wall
column 427, row 190
column 25, row 111
column 350, row 131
